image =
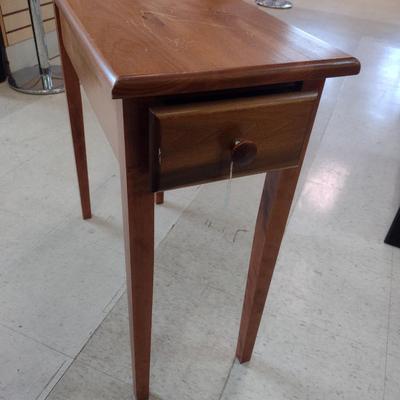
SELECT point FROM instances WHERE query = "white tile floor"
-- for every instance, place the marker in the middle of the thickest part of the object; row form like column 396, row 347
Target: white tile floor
column 331, row 327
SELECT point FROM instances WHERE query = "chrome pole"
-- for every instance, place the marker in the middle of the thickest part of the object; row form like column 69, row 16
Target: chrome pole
column 39, row 35
column 42, row 78
column 281, row 4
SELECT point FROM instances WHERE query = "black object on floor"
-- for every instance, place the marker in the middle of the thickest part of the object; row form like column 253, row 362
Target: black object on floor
column 393, row 236
column 4, row 69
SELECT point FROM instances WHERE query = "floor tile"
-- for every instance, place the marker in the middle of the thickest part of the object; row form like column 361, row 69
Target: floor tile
column 17, row 239
column 354, row 215
column 392, row 379
column 35, row 132
column 386, row 12
column 57, row 293
column 12, row 101
column 26, row 366
column 194, row 338
column 394, row 311
column 212, row 245
column 167, row 214
column 38, row 193
column 328, row 102
column 296, row 360
column 106, row 222
column 340, row 30
column 48, row 253
column 340, row 287
column 108, row 350
column 359, row 123
column 84, row 383
column 195, row 357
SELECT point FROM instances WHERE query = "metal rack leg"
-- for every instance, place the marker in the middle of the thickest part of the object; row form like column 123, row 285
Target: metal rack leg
column 42, row 78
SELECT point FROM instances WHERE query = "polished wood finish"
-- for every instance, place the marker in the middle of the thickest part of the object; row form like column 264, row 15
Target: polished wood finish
column 244, row 152
column 159, row 197
column 274, row 209
column 276, row 200
column 160, row 47
column 193, row 142
column 138, row 211
column 138, row 219
column 94, row 84
column 196, row 84
column 74, row 99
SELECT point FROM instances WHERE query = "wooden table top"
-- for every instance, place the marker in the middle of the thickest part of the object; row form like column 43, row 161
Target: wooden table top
column 152, row 47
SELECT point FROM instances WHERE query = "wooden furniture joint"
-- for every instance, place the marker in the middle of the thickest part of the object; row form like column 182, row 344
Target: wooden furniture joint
column 182, row 89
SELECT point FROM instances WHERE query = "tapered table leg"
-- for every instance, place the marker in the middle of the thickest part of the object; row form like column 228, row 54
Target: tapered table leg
column 276, row 200
column 138, row 221
column 74, row 99
column 138, row 211
column 272, row 216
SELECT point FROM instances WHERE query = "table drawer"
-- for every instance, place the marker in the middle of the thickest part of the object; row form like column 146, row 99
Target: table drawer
column 196, row 142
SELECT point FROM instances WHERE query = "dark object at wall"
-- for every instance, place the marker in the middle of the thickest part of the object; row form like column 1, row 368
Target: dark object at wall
column 3, row 61
column 393, row 236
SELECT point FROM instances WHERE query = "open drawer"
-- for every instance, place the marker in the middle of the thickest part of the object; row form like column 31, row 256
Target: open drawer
column 196, row 142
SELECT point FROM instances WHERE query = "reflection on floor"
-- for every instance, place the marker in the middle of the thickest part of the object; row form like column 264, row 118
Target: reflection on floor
column 330, row 329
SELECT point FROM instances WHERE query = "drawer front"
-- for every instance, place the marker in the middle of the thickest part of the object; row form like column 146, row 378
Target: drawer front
column 195, row 143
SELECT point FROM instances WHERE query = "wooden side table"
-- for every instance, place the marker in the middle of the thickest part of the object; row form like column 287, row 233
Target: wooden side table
column 184, row 90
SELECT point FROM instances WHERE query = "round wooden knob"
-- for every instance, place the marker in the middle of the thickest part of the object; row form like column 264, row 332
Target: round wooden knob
column 244, row 152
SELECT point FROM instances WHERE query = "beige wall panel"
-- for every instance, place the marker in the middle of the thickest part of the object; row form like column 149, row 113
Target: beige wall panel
column 48, row 11
column 26, row 33
column 16, row 21
column 19, row 36
column 50, row 25
column 10, row 6
column 3, row 32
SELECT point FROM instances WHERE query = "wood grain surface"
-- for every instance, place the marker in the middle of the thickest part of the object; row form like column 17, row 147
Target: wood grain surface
column 202, row 68
column 193, row 142
column 276, row 200
column 147, row 48
column 74, row 100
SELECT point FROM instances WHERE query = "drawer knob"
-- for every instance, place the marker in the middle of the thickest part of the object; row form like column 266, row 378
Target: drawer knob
column 244, row 152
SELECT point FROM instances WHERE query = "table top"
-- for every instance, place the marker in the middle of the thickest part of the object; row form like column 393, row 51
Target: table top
column 152, row 47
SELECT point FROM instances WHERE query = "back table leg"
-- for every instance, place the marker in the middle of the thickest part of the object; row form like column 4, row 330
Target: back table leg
column 74, row 99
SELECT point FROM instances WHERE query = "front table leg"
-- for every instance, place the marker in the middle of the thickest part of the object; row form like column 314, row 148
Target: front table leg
column 138, row 221
column 276, row 200
column 279, row 188
column 138, row 214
